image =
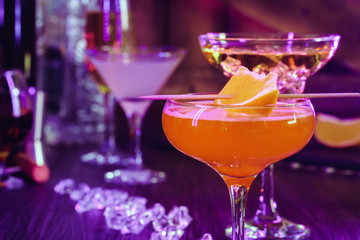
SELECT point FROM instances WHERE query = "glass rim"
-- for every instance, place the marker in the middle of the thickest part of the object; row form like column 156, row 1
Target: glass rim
column 210, row 104
column 162, row 51
column 270, row 36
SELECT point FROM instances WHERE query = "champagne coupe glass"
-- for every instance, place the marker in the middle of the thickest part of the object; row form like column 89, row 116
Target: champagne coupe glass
column 294, row 57
column 15, row 116
column 130, row 75
column 108, row 23
column 238, row 141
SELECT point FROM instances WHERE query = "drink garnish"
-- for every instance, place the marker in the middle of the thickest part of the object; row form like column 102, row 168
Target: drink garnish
column 204, row 96
column 250, row 89
column 334, row 132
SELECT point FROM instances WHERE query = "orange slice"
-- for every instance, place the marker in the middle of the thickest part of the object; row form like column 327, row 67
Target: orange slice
column 335, row 132
column 251, row 89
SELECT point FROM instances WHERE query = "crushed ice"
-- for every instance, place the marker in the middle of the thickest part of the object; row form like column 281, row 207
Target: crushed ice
column 128, row 214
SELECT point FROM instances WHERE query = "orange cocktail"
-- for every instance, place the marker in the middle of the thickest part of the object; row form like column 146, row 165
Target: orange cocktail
column 238, row 141
column 238, row 144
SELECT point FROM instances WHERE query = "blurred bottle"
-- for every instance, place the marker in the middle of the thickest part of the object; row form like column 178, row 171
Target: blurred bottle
column 108, row 23
column 64, row 29
column 18, row 51
column 74, row 107
column 17, row 36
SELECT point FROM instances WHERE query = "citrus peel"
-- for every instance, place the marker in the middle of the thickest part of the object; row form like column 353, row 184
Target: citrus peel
column 334, row 132
column 250, row 89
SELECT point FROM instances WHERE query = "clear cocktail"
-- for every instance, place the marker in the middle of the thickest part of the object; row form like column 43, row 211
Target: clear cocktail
column 294, row 57
column 133, row 74
column 129, row 75
column 238, row 141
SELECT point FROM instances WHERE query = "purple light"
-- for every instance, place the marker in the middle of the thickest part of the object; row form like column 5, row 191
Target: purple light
column 31, row 91
column 290, row 41
column 106, row 20
column 17, row 20
column 118, row 22
column 2, row 13
column 14, row 93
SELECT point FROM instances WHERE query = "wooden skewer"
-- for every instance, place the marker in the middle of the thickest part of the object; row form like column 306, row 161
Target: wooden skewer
column 320, row 95
column 187, row 97
column 217, row 96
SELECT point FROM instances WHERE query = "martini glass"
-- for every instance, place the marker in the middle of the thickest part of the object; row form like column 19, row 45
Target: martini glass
column 238, row 141
column 294, row 57
column 129, row 75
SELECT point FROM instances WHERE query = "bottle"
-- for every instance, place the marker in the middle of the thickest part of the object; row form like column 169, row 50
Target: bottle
column 74, row 106
column 17, row 29
column 110, row 23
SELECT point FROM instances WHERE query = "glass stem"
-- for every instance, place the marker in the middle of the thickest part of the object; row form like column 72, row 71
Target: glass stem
column 2, row 169
column 267, row 209
column 135, row 153
column 3, row 156
column 238, row 196
column 109, row 144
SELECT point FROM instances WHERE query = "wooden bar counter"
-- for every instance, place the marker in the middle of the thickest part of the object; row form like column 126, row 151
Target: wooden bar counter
column 327, row 202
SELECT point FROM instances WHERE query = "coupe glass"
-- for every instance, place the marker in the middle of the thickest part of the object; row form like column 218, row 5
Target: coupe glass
column 238, row 142
column 15, row 116
column 130, row 75
column 294, row 57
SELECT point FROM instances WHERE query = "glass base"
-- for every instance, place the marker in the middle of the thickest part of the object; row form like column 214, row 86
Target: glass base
column 11, row 182
column 279, row 229
column 100, row 158
column 135, row 176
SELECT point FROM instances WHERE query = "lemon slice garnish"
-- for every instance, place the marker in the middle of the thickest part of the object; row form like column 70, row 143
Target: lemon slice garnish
column 251, row 89
column 335, row 132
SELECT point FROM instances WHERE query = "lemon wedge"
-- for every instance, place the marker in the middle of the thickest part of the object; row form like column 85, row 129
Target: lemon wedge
column 334, row 132
column 251, row 89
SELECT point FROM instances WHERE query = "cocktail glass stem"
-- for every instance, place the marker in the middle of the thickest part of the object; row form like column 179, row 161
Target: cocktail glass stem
column 135, row 153
column 2, row 168
column 108, row 153
column 238, row 196
column 267, row 207
column 135, row 173
column 109, row 144
column 267, row 223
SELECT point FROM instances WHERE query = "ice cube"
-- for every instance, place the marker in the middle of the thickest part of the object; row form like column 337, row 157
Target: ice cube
column 65, row 186
column 179, row 217
column 206, row 236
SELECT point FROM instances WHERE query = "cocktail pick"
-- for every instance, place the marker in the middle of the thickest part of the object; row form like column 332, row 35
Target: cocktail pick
column 217, row 96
